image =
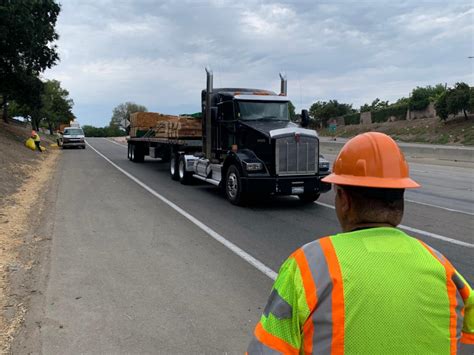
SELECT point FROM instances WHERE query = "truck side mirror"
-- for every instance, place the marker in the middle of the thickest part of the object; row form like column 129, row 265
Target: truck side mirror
column 213, row 114
column 304, row 118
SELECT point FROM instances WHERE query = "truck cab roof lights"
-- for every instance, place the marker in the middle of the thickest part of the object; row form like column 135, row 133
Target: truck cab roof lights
column 261, row 98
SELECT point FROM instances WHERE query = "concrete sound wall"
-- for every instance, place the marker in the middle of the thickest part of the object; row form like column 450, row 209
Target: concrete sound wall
column 464, row 154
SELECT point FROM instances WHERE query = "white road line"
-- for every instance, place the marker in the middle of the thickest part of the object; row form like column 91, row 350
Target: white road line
column 112, row 141
column 420, row 231
column 234, row 248
column 440, row 207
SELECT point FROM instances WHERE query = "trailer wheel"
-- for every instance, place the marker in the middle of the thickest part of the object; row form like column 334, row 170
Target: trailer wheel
column 184, row 176
column 129, row 155
column 309, row 197
column 174, row 167
column 233, row 186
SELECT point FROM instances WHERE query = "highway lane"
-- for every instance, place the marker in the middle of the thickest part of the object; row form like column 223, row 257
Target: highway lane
column 126, row 274
column 271, row 230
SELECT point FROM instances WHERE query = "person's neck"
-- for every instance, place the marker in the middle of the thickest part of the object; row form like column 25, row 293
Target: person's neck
column 357, row 226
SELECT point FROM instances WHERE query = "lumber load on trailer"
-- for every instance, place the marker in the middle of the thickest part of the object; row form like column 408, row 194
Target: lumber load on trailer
column 164, row 126
column 148, row 119
column 179, row 127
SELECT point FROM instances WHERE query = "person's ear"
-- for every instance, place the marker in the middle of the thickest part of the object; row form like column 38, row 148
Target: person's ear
column 344, row 200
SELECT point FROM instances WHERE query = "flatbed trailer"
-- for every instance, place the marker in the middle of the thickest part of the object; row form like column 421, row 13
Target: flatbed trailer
column 163, row 148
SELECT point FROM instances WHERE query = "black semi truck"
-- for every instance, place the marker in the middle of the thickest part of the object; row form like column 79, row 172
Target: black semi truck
column 249, row 147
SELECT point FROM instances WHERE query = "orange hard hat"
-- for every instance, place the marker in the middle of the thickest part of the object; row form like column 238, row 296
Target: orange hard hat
column 371, row 160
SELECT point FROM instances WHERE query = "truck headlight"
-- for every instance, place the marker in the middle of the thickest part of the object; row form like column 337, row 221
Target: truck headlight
column 253, row 166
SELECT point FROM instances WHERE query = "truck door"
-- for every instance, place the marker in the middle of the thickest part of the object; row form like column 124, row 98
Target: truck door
column 226, row 125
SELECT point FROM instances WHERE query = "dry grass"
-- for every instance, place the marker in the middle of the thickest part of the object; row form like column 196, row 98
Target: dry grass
column 29, row 177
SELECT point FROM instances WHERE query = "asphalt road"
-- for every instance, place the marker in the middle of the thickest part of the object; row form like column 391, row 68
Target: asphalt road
column 136, row 267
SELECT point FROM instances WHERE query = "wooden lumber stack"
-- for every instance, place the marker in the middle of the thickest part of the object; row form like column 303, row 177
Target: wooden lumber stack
column 179, row 127
column 165, row 126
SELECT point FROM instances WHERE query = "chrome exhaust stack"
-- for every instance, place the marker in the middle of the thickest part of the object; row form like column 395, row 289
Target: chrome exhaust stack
column 283, row 86
column 208, row 139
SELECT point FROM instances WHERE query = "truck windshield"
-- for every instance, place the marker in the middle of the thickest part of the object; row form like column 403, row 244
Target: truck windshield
column 254, row 110
column 73, row 132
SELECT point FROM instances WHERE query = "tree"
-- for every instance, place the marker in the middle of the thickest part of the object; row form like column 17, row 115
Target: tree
column 422, row 96
column 56, row 105
column 27, row 34
column 107, row 131
column 377, row 104
column 121, row 114
column 291, row 111
column 322, row 111
column 441, row 106
column 471, row 100
column 458, row 99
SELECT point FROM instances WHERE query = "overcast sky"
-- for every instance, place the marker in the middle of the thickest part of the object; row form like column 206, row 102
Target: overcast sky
column 154, row 52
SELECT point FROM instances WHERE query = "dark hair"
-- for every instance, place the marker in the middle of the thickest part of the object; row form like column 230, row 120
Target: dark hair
column 377, row 205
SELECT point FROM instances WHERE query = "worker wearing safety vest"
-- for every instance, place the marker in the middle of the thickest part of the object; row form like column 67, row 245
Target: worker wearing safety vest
column 371, row 289
column 35, row 136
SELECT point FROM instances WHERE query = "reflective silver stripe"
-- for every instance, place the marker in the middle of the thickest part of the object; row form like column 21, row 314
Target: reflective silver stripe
column 277, row 306
column 458, row 281
column 322, row 316
column 256, row 347
column 465, row 349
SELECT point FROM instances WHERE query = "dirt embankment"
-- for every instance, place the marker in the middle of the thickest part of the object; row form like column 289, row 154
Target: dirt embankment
column 426, row 130
column 24, row 176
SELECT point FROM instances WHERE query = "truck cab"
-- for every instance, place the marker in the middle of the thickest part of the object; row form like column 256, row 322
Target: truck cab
column 250, row 146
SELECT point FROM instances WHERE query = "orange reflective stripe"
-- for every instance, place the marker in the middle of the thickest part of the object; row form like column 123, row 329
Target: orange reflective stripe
column 337, row 345
column 453, row 303
column 452, row 306
column 308, row 282
column 272, row 341
column 465, row 292
column 467, row 338
column 310, row 292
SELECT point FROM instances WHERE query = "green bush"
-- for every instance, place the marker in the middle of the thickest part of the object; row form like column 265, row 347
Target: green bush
column 397, row 110
column 352, row 118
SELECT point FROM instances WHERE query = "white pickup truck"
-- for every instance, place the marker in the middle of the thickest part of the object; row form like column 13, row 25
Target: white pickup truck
column 72, row 137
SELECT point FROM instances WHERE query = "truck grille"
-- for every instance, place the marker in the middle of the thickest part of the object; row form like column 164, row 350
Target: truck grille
column 296, row 156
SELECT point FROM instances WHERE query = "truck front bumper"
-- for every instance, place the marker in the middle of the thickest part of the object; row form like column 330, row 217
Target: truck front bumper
column 287, row 185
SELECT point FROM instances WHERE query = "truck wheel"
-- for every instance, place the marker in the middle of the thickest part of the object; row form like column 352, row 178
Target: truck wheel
column 233, row 186
column 184, row 176
column 137, row 154
column 309, row 197
column 174, row 168
column 129, row 154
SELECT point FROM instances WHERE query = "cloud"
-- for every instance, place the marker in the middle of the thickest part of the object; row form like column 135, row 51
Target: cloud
column 154, row 52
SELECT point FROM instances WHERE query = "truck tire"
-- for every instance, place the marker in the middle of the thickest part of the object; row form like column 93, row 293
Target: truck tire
column 137, row 154
column 233, row 187
column 174, row 167
column 131, row 152
column 184, row 176
column 309, row 197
